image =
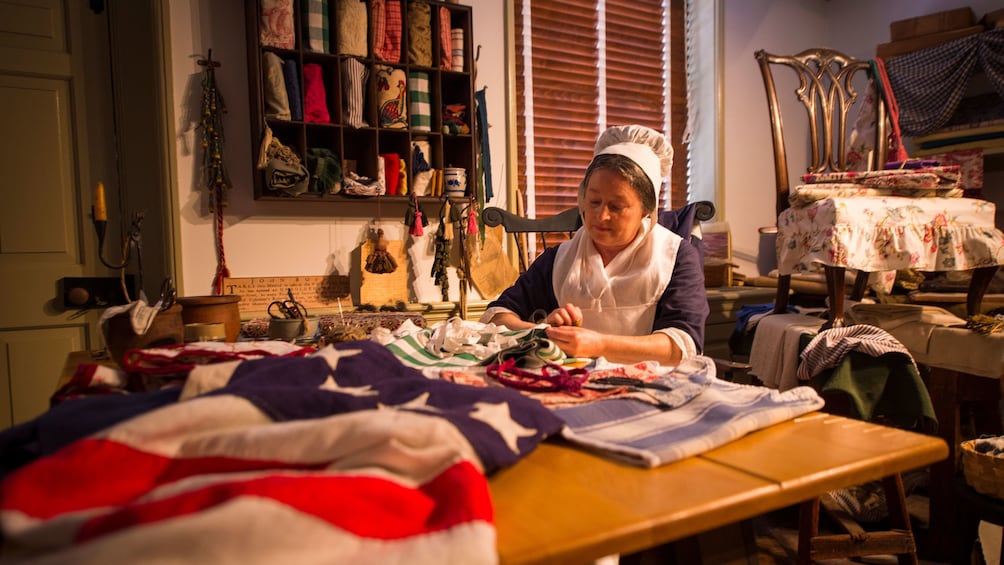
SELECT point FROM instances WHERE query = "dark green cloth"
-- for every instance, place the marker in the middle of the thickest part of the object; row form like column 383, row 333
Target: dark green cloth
column 887, row 386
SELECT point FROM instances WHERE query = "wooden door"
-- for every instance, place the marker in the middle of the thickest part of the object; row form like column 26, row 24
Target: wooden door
column 59, row 132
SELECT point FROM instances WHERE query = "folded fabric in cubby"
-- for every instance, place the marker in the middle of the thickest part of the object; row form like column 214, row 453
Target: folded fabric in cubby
column 274, row 85
column 315, row 100
column 292, row 82
column 277, row 24
column 421, row 110
column 315, row 26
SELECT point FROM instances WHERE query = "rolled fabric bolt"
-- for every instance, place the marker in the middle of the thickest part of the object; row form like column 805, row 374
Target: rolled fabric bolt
column 457, row 46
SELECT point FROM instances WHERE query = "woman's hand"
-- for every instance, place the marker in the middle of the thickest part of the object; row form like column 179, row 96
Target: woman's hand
column 567, row 315
column 577, row 342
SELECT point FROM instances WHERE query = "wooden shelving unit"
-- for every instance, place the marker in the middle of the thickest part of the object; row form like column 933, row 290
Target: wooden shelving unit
column 363, row 146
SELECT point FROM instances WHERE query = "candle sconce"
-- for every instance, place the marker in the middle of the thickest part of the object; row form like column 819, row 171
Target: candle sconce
column 133, row 239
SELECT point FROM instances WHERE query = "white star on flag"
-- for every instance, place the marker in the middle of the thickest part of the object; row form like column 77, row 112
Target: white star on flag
column 497, row 416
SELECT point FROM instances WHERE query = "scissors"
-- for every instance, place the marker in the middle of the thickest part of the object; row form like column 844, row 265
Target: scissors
column 287, row 308
column 167, row 294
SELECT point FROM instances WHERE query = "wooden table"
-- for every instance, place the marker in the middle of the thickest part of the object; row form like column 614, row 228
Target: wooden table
column 562, row 504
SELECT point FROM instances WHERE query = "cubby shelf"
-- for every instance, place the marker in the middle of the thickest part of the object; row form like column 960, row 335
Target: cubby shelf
column 359, row 147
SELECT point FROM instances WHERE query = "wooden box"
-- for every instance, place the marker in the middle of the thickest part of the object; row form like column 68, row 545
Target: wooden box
column 949, row 20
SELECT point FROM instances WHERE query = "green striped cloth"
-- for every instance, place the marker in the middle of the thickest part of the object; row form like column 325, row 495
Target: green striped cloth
column 315, row 25
column 409, row 350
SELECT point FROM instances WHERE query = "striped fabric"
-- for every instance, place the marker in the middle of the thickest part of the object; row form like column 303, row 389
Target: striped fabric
column 717, row 413
column 418, row 101
column 354, row 75
column 445, row 48
column 829, row 347
column 342, row 456
column 455, row 344
column 457, row 43
column 386, row 24
column 315, row 25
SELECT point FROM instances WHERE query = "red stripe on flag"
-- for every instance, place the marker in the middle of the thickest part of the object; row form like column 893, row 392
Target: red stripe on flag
column 365, row 506
column 99, row 472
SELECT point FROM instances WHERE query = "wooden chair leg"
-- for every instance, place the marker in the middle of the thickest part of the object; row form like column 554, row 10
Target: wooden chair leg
column 860, row 286
column 781, row 296
column 982, row 276
column 835, row 294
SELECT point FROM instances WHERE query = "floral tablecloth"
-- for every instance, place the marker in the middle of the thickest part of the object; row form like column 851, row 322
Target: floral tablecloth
column 884, row 234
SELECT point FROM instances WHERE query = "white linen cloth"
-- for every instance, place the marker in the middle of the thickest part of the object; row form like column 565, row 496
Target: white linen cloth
column 774, row 355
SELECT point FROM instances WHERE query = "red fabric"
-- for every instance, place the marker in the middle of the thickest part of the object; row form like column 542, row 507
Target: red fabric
column 315, row 102
column 392, row 171
column 445, row 42
column 898, row 152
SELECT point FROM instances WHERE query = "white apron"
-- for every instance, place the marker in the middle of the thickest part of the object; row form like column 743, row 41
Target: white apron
column 621, row 298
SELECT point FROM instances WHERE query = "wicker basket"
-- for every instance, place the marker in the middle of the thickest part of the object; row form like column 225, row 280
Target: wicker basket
column 983, row 472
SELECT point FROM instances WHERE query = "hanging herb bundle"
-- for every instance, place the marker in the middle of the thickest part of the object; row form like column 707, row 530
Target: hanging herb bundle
column 211, row 123
column 441, row 262
column 213, row 169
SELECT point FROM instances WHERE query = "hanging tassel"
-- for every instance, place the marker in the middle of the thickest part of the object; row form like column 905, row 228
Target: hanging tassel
column 472, row 220
column 416, row 226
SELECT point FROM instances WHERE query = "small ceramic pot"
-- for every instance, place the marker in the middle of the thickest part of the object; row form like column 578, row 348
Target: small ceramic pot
column 286, row 329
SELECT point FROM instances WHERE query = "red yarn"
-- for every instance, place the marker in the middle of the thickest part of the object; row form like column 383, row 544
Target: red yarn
column 222, row 271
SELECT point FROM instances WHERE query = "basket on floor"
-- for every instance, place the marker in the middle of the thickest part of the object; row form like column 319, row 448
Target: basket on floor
column 983, row 471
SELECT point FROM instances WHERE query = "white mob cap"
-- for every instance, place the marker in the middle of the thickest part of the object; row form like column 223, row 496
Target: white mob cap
column 648, row 148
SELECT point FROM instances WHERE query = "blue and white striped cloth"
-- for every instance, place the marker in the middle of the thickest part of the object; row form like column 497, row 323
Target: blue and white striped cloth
column 712, row 413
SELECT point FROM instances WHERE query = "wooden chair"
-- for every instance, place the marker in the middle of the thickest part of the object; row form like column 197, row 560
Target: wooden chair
column 829, row 84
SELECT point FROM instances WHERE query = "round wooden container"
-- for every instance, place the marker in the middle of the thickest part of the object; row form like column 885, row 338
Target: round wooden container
column 166, row 329
column 208, row 309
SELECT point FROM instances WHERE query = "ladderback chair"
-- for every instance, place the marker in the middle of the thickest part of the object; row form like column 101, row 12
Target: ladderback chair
column 866, row 230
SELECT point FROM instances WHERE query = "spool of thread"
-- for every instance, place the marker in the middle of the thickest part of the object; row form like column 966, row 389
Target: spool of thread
column 457, row 45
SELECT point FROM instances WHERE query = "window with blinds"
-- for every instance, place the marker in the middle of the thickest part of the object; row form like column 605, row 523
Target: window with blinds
column 584, row 65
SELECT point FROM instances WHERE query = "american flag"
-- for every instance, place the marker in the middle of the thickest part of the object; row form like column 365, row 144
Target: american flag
column 342, row 456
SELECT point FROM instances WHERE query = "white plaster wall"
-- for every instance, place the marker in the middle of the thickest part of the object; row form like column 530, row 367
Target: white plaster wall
column 286, row 238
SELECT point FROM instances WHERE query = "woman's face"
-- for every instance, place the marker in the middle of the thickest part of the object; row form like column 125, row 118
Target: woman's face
column 611, row 212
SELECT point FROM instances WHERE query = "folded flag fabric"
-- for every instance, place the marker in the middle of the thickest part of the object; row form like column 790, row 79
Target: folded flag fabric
column 358, row 458
column 650, row 436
